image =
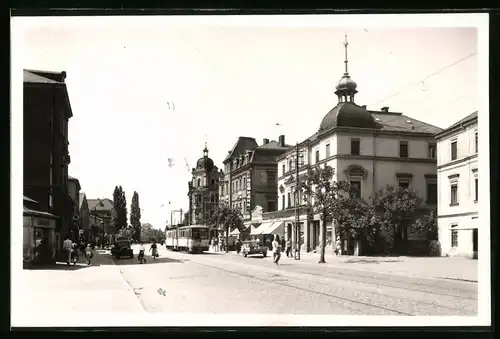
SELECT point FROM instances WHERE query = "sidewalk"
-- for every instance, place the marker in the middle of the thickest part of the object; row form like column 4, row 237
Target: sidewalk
column 79, row 288
column 432, row 267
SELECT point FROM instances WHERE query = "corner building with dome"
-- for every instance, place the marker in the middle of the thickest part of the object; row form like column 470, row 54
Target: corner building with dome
column 203, row 190
column 370, row 149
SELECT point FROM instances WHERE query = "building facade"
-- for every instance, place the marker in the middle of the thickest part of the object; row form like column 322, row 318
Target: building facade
column 458, row 188
column 102, row 212
column 203, row 190
column 74, row 193
column 47, row 111
column 250, row 175
column 370, row 149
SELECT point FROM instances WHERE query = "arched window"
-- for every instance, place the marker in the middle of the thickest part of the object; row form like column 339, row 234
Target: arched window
column 199, row 182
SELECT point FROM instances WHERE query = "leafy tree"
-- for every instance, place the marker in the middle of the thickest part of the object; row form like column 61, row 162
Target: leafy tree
column 150, row 234
column 135, row 216
column 397, row 208
column 186, row 219
column 320, row 188
column 426, row 223
column 120, row 206
column 127, row 232
column 229, row 218
column 355, row 217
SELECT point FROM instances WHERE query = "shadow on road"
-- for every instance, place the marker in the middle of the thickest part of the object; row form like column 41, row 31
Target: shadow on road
column 60, row 266
column 369, row 261
column 149, row 261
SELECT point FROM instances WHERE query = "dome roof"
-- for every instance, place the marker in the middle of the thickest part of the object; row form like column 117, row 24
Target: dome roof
column 346, row 83
column 347, row 114
column 205, row 163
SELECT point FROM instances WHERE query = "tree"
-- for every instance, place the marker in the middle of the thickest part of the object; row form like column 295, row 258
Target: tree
column 426, row 223
column 397, row 208
column 150, row 234
column 135, row 216
column 127, row 232
column 355, row 218
column 229, row 218
column 186, row 219
column 120, row 206
column 320, row 188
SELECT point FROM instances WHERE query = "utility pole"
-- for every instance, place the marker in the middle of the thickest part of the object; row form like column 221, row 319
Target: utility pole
column 297, row 204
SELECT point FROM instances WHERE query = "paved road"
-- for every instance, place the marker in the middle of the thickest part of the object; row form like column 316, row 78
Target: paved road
column 227, row 283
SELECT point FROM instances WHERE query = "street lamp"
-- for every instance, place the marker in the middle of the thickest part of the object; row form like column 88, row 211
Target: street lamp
column 299, row 161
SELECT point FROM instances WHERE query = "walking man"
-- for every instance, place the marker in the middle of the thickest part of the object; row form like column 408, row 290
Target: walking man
column 88, row 253
column 289, row 248
column 68, row 247
column 141, row 253
column 276, row 249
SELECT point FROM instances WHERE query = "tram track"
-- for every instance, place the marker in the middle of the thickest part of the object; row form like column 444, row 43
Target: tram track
column 394, row 299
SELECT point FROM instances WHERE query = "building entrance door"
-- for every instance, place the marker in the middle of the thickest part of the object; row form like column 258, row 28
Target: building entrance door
column 474, row 242
column 288, row 231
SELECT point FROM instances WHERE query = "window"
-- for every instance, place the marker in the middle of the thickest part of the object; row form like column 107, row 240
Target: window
column 454, row 194
column 432, row 192
column 403, row 149
column 454, row 150
column 284, row 169
column 356, row 184
column 432, row 151
column 283, row 202
column 317, row 156
column 327, row 151
column 476, row 189
column 271, row 179
column 454, row 236
column 355, row 146
column 404, row 184
column 271, row 205
column 289, row 200
column 476, row 139
column 199, row 182
column 244, row 182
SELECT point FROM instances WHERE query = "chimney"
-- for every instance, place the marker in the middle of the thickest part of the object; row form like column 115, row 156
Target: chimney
column 364, row 106
column 385, row 109
column 282, row 141
column 266, row 141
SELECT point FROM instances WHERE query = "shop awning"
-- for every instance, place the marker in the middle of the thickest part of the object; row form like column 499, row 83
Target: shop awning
column 25, row 198
column 40, row 214
column 261, row 228
column 235, row 232
column 275, row 228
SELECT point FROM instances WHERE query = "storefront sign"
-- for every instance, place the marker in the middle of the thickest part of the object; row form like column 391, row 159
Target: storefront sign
column 249, row 190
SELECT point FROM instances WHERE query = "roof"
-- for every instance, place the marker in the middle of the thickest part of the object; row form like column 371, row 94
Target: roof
column 388, row 121
column 347, row 114
column 273, row 145
column 80, row 200
column 100, row 204
column 25, row 198
column 43, row 77
column 241, row 145
column 471, row 117
column 30, row 212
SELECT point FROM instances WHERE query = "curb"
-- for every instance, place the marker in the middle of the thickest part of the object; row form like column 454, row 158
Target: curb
column 127, row 285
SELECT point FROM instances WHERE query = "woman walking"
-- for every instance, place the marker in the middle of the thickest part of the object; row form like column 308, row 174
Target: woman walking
column 154, row 248
column 141, row 254
column 276, row 249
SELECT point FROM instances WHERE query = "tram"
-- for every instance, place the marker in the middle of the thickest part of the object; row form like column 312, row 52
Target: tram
column 193, row 239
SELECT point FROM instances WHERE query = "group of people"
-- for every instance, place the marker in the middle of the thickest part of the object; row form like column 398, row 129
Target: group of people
column 142, row 251
column 73, row 250
column 217, row 244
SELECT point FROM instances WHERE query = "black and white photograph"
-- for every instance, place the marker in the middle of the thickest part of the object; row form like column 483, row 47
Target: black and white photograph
column 250, row 170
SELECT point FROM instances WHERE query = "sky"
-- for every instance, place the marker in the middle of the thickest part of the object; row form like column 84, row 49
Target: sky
column 231, row 77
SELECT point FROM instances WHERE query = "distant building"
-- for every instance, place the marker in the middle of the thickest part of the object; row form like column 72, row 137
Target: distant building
column 250, row 175
column 74, row 192
column 369, row 149
column 84, row 214
column 458, row 188
column 102, row 212
column 47, row 111
column 203, row 190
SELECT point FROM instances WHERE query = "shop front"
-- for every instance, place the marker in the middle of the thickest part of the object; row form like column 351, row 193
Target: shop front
column 39, row 237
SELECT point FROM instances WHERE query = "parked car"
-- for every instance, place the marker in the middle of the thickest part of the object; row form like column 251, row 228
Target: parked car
column 122, row 248
column 251, row 247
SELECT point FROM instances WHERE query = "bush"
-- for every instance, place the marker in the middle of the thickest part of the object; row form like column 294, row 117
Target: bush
column 434, row 248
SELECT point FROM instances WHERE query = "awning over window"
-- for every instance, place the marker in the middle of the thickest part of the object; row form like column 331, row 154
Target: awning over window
column 275, row 228
column 261, row 228
column 235, row 232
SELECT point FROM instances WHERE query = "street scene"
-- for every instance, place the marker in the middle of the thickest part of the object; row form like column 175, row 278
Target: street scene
column 273, row 170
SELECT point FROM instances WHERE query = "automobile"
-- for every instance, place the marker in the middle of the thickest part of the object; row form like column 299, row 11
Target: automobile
column 251, row 247
column 122, row 248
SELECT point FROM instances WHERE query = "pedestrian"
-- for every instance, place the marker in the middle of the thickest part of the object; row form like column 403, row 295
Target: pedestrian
column 141, row 254
column 216, row 244
column 67, row 246
column 89, row 254
column 338, row 246
column 154, row 250
column 74, row 253
column 222, row 245
column 289, row 248
column 238, row 246
column 276, row 249
column 283, row 244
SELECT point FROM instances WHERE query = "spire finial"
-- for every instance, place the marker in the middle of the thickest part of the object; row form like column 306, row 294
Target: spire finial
column 346, row 61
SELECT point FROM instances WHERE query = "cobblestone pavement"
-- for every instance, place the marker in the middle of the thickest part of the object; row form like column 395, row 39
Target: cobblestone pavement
column 228, row 283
